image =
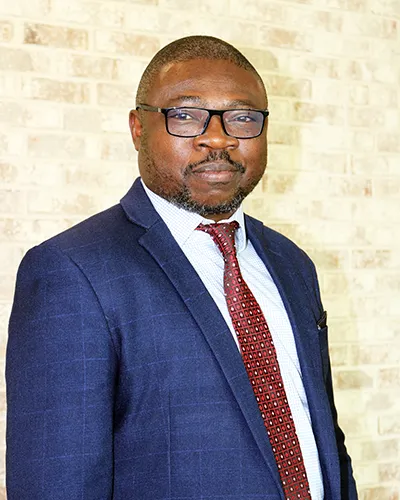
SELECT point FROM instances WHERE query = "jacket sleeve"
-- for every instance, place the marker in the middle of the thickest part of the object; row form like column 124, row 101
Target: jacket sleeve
column 347, row 482
column 60, row 374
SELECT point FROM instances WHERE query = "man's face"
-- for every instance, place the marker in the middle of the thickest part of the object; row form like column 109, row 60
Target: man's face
column 212, row 173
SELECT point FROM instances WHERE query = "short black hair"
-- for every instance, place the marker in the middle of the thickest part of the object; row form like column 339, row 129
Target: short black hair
column 187, row 49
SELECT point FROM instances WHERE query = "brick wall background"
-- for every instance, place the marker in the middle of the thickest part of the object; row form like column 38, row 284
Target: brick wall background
column 68, row 75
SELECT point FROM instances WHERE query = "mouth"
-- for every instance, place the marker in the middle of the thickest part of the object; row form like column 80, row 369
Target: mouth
column 216, row 171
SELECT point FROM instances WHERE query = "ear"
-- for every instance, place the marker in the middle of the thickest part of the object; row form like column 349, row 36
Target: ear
column 135, row 126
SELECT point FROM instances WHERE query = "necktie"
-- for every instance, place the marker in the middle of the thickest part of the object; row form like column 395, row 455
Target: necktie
column 260, row 359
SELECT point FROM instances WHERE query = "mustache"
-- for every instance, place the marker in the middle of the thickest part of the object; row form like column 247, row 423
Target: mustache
column 222, row 156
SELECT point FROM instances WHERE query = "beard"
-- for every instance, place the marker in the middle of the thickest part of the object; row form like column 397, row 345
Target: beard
column 183, row 198
column 180, row 195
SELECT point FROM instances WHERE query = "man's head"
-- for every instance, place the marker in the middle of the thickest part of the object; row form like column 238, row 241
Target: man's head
column 204, row 166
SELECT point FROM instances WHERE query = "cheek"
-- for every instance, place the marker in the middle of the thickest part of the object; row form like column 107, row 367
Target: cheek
column 255, row 154
column 170, row 152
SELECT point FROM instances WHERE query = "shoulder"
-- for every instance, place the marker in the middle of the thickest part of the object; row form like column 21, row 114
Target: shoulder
column 276, row 242
column 85, row 247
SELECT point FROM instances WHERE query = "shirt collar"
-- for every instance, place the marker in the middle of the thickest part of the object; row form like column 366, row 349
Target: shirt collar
column 183, row 223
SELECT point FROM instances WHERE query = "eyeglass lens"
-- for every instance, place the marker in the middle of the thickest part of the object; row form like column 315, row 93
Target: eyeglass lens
column 189, row 122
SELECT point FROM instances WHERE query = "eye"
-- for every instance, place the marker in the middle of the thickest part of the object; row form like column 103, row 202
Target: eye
column 242, row 116
column 182, row 115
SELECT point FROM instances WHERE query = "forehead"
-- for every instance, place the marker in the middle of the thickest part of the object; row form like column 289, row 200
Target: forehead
column 208, row 83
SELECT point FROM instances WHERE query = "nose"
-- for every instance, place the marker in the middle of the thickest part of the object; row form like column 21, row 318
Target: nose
column 214, row 137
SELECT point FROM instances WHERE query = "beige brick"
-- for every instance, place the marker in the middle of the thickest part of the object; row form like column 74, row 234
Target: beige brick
column 99, row 68
column 365, row 473
column 41, row 172
column 15, row 60
column 29, row 8
column 309, row 65
column 12, row 201
column 352, row 379
column 389, row 424
column 60, row 146
column 359, row 93
column 389, row 143
column 114, row 121
column 126, row 43
column 6, row 31
column 116, row 95
column 316, row 20
column 329, row 259
column 366, row 117
column 380, row 450
column 384, row 95
column 263, row 60
column 8, row 172
column 323, row 137
column 283, row 134
column 379, row 402
column 287, row 87
column 33, row 231
column 388, row 8
column 388, row 283
column 129, row 70
column 365, row 164
column 147, row 18
column 389, row 472
column 42, row 115
column 371, row 259
column 279, row 37
column 358, row 425
column 324, row 162
column 339, row 357
column 350, row 5
column 11, row 113
column 379, row 493
column 68, row 203
column 207, row 6
column 98, row 174
column 88, row 13
column 82, row 120
column 11, row 85
column 361, row 24
column 58, row 91
column 56, row 36
column 118, row 148
column 12, row 142
column 311, row 113
column 374, row 355
column 390, row 378
column 334, row 283
column 258, row 9
column 339, row 306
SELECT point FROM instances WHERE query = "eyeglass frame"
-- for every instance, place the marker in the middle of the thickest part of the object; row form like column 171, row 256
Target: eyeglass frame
column 211, row 113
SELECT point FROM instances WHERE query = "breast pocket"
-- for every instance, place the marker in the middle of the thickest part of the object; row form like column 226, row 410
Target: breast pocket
column 324, row 349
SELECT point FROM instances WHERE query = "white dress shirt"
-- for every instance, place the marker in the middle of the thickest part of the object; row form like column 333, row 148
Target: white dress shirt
column 208, row 262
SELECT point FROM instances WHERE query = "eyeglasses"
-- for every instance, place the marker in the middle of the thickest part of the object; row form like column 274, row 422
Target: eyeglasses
column 192, row 122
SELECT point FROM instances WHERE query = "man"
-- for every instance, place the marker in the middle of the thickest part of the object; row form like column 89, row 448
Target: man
column 148, row 357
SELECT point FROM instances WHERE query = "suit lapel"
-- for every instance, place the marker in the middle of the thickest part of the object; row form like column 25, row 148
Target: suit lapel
column 297, row 304
column 158, row 241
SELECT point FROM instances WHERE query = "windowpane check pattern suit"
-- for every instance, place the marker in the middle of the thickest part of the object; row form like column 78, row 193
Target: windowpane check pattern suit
column 124, row 381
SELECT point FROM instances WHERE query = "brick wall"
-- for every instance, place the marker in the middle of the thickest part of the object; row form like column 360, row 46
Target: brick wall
column 68, row 74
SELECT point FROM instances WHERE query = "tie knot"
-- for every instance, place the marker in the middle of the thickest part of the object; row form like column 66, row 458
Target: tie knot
column 223, row 235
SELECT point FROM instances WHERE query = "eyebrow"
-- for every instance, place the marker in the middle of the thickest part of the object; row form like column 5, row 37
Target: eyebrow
column 197, row 100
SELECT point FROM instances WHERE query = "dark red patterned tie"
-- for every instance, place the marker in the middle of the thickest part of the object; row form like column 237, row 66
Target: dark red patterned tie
column 259, row 357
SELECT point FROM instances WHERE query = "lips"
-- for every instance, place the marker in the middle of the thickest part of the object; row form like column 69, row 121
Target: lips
column 215, row 173
column 215, row 167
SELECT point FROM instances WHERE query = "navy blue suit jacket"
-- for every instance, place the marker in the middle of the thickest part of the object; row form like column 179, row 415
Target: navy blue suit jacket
column 124, row 381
